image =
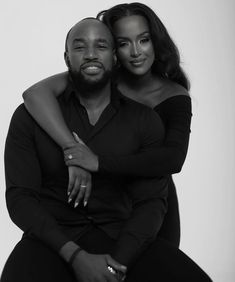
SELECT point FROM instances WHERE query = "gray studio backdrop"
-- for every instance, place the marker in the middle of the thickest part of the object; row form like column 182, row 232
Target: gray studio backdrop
column 32, row 42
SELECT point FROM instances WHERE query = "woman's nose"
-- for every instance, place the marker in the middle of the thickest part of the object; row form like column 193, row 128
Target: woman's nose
column 135, row 51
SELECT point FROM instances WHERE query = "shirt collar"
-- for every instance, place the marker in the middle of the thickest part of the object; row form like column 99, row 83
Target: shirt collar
column 116, row 95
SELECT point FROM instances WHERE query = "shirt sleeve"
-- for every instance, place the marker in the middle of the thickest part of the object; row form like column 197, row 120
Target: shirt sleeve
column 149, row 207
column 23, row 183
column 153, row 161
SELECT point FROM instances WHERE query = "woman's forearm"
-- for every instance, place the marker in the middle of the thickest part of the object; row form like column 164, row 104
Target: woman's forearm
column 41, row 102
column 167, row 159
column 153, row 163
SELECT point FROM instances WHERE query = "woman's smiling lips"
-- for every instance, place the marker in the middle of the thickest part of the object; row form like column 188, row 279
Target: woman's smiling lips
column 137, row 63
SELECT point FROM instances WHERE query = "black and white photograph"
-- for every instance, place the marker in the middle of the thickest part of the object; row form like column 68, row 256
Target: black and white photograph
column 118, row 141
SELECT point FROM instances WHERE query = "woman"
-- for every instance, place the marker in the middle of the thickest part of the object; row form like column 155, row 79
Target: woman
column 149, row 72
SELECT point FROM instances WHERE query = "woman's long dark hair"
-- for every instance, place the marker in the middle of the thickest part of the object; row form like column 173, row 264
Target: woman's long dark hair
column 167, row 63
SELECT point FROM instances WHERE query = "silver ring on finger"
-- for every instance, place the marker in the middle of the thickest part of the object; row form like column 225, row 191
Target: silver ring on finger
column 83, row 186
column 70, row 156
column 113, row 271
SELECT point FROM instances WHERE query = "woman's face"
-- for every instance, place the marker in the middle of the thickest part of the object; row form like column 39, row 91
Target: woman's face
column 134, row 45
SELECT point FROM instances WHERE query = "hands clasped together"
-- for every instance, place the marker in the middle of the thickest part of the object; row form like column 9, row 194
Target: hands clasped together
column 80, row 161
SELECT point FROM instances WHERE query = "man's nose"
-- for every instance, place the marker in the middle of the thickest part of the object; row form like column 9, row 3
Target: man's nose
column 135, row 50
column 90, row 53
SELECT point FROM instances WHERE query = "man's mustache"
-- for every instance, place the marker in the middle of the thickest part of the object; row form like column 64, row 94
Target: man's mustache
column 92, row 63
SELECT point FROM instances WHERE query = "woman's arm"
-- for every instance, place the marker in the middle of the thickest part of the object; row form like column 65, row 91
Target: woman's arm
column 151, row 160
column 41, row 102
column 176, row 113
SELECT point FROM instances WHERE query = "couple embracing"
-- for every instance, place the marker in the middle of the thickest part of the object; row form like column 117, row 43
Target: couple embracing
column 90, row 154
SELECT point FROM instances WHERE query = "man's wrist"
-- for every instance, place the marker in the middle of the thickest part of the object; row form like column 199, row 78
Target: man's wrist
column 74, row 255
column 67, row 250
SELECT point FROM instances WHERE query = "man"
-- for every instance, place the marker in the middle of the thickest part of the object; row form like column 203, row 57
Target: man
column 103, row 240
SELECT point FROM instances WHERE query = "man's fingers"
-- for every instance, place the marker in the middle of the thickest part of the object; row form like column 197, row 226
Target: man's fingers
column 116, row 265
column 70, row 162
column 71, row 156
column 73, row 150
column 109, row 277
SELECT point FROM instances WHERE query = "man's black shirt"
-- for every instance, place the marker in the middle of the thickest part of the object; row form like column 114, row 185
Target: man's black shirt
column 129, row 210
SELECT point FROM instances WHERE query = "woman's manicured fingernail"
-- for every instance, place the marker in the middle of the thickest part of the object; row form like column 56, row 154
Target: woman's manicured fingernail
column 85, row 203
column 68, row 193
column 76, row 204
column 69, row 200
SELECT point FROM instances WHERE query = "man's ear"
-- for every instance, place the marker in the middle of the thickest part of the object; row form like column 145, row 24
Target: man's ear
column 66, row 58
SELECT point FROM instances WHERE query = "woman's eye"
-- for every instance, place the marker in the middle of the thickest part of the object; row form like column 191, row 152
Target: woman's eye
column 101, row 46
column 144, row 40
column 122, row 44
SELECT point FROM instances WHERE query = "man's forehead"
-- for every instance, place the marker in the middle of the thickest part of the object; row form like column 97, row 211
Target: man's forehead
column 88, row 27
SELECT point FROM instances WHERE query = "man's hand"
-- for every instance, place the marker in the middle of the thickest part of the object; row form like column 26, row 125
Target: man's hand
column 79, row 187
column 80, row 155
column 94, row 268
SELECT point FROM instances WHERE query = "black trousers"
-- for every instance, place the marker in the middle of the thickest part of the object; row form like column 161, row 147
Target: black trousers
column 33, row 261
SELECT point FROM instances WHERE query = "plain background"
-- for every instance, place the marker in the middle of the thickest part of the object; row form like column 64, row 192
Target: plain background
column 32, row 45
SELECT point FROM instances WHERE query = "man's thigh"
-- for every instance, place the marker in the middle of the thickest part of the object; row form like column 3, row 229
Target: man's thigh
column 163, row 262
column 31, row 260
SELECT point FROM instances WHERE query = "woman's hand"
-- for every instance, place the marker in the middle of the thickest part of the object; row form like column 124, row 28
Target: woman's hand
column 80, row 155
column 79, row 185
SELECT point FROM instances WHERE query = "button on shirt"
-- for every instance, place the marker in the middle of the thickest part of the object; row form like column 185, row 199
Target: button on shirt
column 37, row 178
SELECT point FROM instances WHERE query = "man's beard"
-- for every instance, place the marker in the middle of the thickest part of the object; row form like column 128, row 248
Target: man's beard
column 86, row 85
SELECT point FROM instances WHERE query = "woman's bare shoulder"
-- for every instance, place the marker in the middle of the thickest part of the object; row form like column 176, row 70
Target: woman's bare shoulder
column 167, row 90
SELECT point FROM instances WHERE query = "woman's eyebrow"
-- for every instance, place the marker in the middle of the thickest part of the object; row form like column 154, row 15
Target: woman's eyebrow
column 141, row 34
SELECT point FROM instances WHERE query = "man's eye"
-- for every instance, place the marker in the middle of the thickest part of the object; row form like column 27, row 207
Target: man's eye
column 101, row 46
column 79, row 47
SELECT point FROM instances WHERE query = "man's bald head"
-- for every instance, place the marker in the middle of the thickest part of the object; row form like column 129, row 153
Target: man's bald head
column 88, row 21
column 90, row 54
